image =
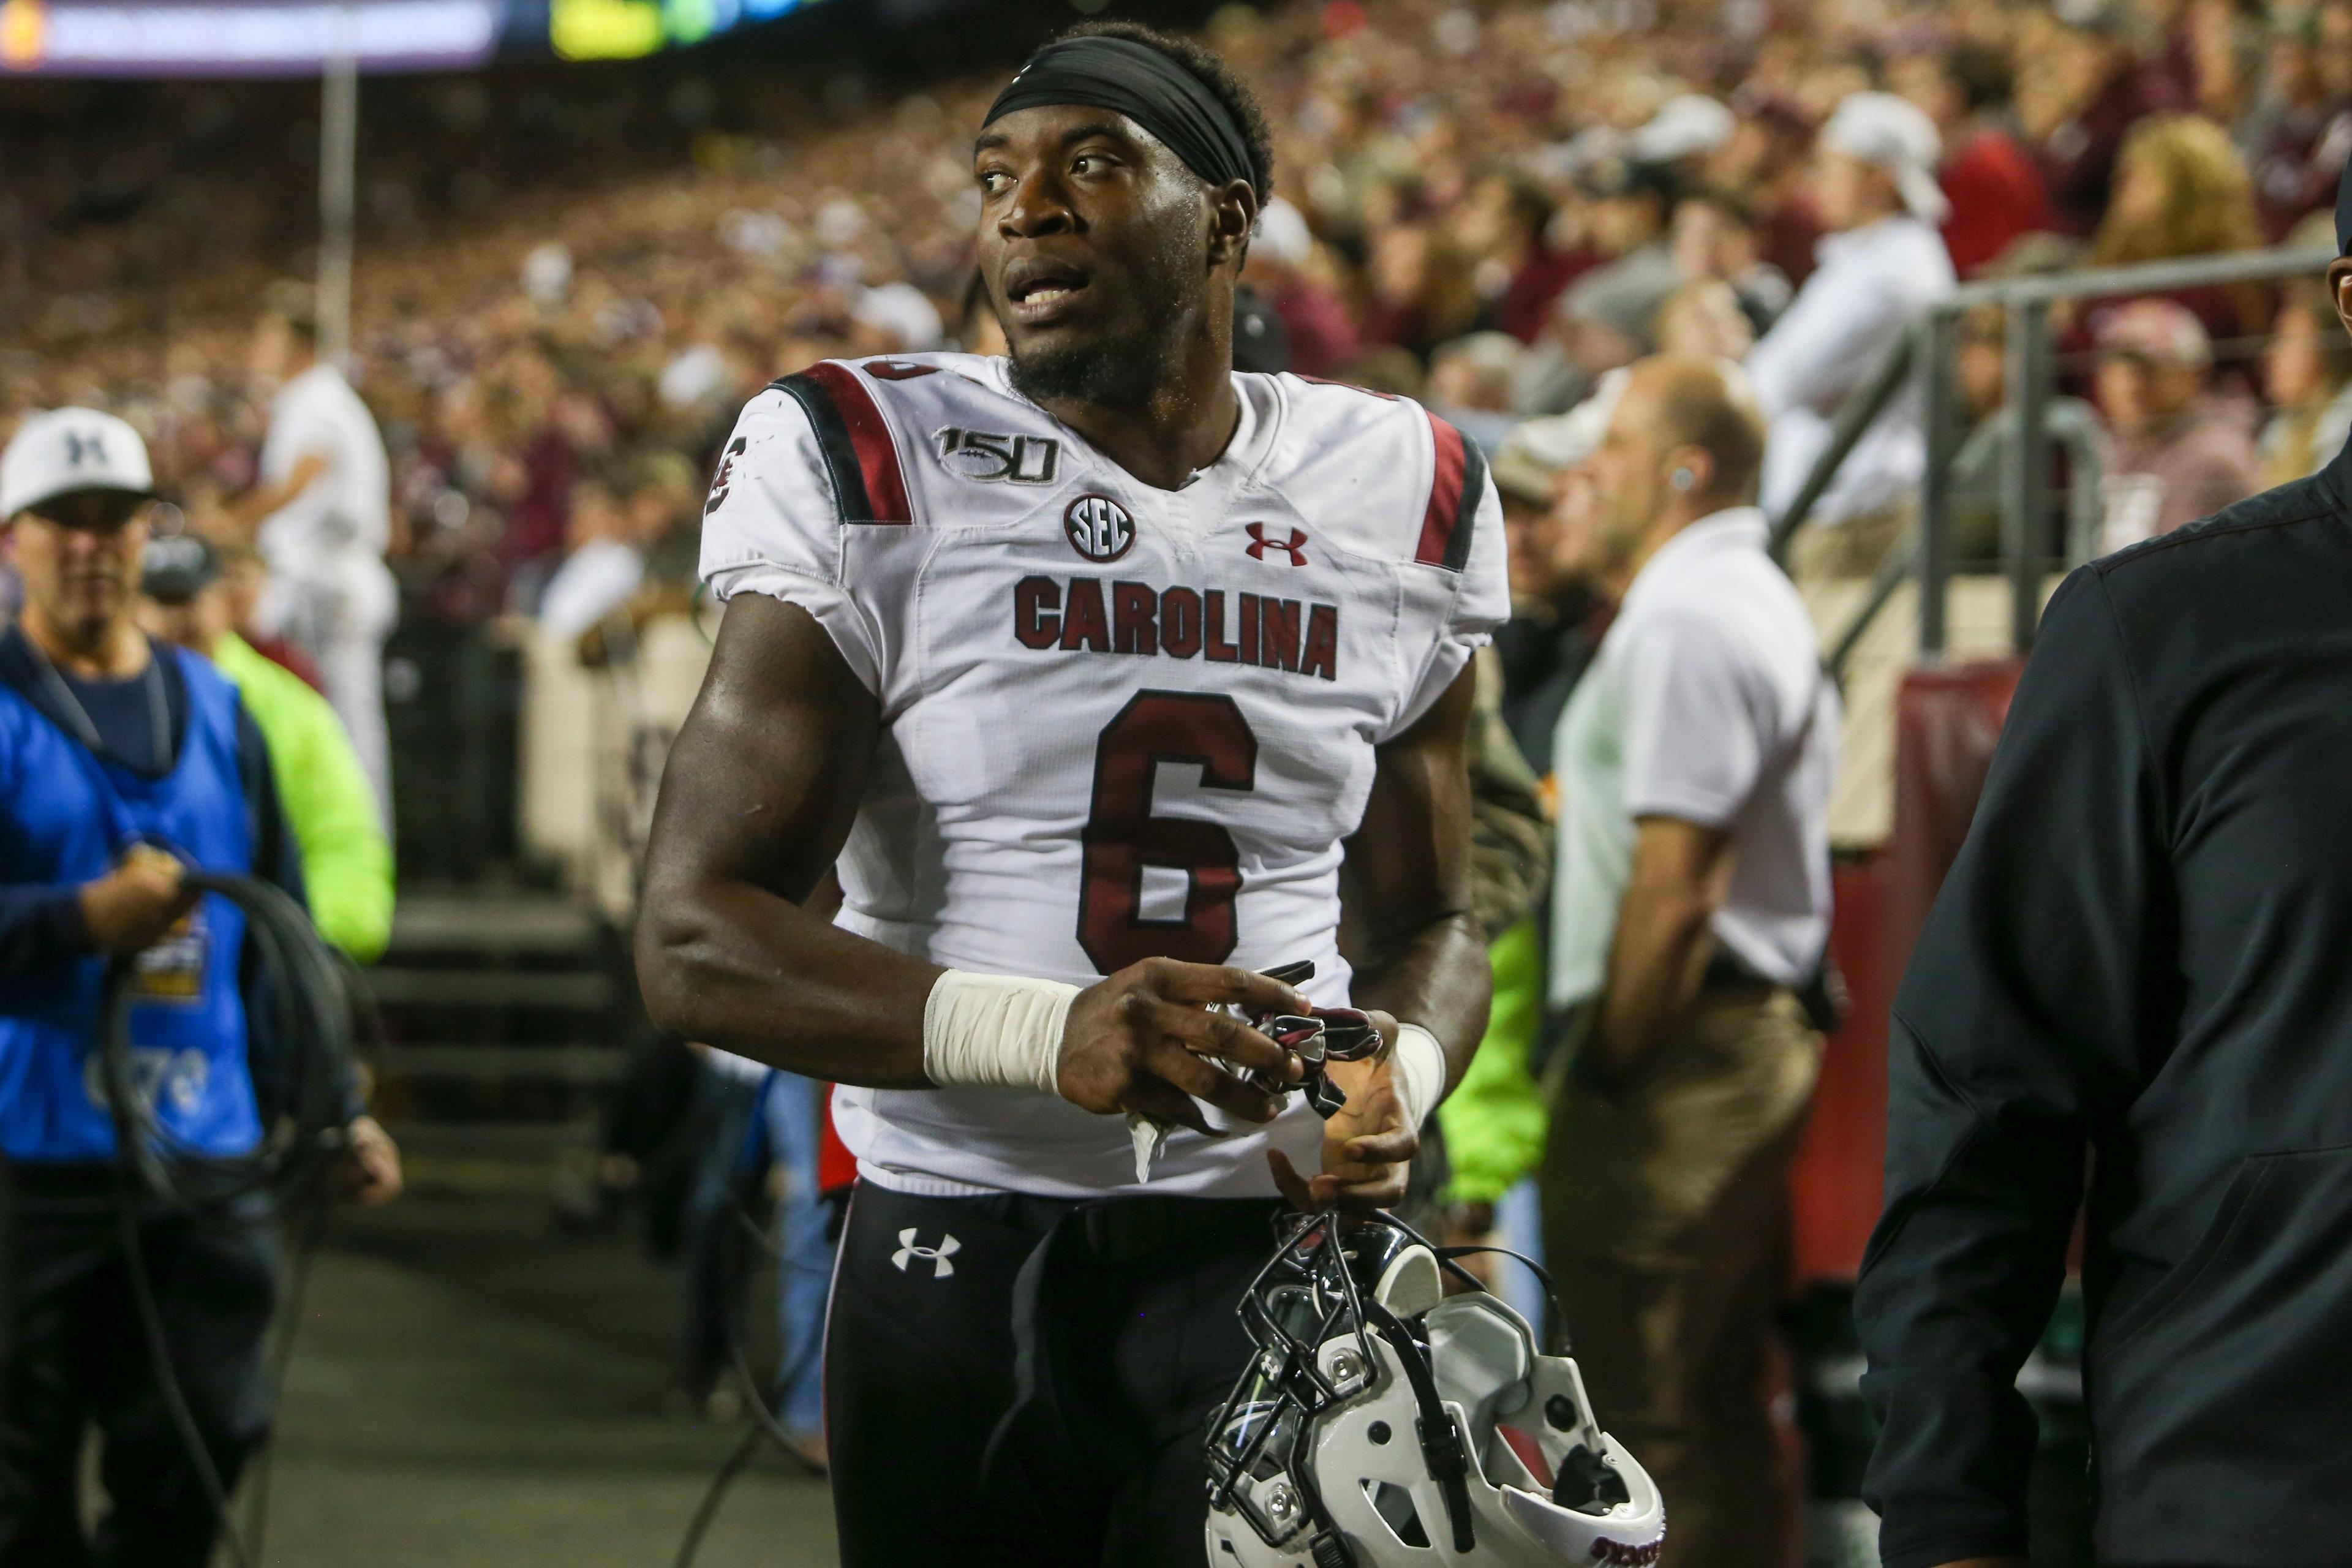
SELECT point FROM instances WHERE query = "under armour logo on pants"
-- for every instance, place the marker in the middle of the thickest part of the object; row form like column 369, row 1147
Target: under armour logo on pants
column 937, row 1257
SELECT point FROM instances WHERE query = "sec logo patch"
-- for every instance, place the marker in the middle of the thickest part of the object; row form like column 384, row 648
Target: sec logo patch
column 1100, row 528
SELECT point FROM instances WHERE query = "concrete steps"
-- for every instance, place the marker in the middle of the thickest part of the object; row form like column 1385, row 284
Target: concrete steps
column 505, row 1012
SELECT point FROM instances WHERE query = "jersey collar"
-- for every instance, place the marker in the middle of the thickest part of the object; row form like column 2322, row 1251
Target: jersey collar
column 1253, row 434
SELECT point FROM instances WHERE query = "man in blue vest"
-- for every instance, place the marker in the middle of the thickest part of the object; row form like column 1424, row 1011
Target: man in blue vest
column 122, row 761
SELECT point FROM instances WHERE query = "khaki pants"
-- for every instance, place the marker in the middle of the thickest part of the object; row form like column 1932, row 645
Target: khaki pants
column 1665, row 1208
column 1831, row 553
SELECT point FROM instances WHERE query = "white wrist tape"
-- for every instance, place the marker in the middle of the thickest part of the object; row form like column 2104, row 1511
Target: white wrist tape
column 1417, row 1068
column 997, row 1030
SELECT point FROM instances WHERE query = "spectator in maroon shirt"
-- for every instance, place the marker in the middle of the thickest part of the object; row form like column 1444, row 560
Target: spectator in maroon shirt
column 576, row 433
column 1769, row 161
column 1417, row 289
column 1715, row 238
column 2333, row 21
column 1604, row 322
column 2180, row 453
column 535, row 523
column 2298, row 135
column 1540, row 273
column 1281, row 269
column 2088, row 90
column 2206, row 59
column 1994, row 190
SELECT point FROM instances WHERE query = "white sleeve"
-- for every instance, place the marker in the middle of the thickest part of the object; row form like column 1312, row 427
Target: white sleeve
column 1695, row 717
column 1827, row 343
column 1460, row 610
column 291, row 434
column 771, row 526
column 295, row 432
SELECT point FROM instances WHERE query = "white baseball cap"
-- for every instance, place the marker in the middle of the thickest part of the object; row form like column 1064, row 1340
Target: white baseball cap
column 67, row 449
column 903, row 310
column 1537, row 449
column 1683, row 127
column 1893, row 134
column 1533, row 453
column 1283, row 235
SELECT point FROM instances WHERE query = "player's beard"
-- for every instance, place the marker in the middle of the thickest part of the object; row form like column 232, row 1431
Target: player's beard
column 1125, row 368
column 1119, row 372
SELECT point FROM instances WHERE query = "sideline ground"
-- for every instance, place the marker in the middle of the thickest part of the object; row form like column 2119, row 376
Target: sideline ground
column 470, row 1391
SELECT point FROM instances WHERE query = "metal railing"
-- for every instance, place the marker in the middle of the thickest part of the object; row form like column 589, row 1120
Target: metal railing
column 1928, row 349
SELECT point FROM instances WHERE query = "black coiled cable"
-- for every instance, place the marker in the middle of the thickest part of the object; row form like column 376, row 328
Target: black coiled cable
column 315, row 1004
column 742, row 1245
column 309, row 991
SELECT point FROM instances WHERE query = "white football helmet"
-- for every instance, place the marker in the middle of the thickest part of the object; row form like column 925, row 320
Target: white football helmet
column 1386, row 1425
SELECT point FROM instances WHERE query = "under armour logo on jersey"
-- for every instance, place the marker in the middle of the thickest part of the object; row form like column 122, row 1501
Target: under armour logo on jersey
column 937, row 1257
column 80, row 448
column 1295, row 546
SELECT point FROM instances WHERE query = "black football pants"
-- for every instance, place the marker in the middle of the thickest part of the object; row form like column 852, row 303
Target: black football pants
column 1025, row 1382
column 72, row 1354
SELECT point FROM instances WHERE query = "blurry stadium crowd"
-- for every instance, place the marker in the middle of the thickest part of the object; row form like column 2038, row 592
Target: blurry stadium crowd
column 1489, row 207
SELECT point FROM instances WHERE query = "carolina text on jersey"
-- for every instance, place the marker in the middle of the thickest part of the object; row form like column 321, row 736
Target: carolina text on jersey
column 1179, row 622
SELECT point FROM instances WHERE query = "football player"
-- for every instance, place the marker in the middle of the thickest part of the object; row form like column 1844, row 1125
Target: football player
column 1110, row 680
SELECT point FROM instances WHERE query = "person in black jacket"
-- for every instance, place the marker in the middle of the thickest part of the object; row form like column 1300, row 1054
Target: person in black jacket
column 2138, row 979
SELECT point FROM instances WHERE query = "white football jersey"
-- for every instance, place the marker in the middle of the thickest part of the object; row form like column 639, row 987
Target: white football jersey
column 1119, row 722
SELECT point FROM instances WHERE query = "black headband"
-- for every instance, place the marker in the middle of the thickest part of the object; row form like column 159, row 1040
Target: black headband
column 1148, row 87
column 2344, row 212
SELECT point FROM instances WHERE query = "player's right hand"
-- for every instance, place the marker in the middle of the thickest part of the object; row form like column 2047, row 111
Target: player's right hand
column 131, row 907
column 1140, row 1039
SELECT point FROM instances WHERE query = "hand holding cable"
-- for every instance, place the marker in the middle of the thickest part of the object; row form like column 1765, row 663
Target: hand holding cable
column 306, row 1010
column 135, row 905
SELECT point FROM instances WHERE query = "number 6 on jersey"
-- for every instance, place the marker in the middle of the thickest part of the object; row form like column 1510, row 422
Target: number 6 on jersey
column 1122, row 836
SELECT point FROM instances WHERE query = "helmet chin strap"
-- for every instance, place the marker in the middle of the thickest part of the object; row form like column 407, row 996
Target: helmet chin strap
column 1441, row 1438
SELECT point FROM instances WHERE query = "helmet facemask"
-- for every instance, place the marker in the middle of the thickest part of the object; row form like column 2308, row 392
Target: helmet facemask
column 1381, row 1417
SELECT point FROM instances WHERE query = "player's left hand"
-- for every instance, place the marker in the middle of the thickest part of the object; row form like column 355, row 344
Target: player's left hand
column 1367, row 1147
column 371, row 1165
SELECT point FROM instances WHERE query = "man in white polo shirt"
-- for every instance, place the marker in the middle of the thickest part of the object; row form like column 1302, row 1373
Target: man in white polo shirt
column 1690, row 910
